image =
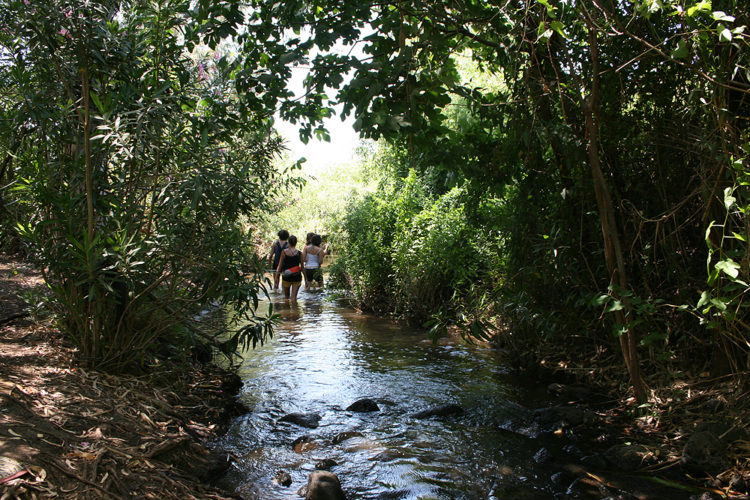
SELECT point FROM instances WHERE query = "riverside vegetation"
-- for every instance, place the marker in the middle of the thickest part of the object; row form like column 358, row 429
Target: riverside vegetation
column 567, row 180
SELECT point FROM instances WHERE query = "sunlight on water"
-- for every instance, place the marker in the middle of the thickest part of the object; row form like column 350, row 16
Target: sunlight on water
column 323, row 357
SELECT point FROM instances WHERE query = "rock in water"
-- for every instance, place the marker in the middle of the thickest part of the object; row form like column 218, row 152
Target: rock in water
column 325, row 464
column 363, row 406
column 309, row 420
column 283, row 478
column 439, row 411
column 343, row 436
column 324, row 485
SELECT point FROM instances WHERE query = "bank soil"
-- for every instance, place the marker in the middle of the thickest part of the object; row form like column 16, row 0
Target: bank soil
column 70, row 433
column 690, row 440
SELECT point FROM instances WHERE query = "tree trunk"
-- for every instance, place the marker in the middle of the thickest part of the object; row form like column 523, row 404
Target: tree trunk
column 612, row 246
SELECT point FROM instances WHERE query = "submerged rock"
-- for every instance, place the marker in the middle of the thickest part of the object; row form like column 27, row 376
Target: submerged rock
column 283, row 478
column 303, row 444
column 324, row 485
column 363, row 406
column 705, row 453
column 389, row 455
column 343, row 436
column 325, row 464
column 439, row 411
column 309, row 420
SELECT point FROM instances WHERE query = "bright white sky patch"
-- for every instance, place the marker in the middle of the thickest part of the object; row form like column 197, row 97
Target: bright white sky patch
column 344, row 140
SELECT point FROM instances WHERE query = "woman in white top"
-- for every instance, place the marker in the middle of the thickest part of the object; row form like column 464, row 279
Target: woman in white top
column 312, row 258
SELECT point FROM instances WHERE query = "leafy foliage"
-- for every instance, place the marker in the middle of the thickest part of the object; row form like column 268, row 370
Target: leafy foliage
column 134, row 166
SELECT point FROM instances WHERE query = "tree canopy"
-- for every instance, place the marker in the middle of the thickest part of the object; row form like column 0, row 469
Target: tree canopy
column 606, row 160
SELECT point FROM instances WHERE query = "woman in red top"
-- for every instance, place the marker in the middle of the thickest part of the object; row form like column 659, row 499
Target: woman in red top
column 289, row 269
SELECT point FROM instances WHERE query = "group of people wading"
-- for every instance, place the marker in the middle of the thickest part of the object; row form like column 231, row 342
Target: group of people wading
column 291, row 266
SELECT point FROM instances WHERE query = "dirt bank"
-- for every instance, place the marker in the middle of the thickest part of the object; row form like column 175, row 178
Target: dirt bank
column 70, row 433
column 693, row 434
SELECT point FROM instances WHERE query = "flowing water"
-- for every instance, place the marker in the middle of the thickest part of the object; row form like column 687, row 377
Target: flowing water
column 324, row 357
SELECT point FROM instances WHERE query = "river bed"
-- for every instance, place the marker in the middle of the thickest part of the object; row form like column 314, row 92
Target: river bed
column 325, row 356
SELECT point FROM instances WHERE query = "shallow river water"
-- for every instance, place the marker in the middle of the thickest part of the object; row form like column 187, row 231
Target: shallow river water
column 324, row 357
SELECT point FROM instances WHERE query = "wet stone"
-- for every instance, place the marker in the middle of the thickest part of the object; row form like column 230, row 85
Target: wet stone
column 303, row 444
column 283, row 478
column 542, row 456
column 325, row 464
column 365, row 405
column 389, row 455
column 706, row 496
column 324, row 485
column 309, row 420
column 343, row 436
column 739, row 484
column 560, row 479
column 439, row 411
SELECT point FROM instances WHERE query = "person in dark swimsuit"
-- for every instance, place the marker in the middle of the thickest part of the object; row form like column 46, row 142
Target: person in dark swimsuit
column 275, row 255
column 289, row 269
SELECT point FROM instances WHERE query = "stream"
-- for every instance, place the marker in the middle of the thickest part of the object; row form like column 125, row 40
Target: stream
column 324, row 357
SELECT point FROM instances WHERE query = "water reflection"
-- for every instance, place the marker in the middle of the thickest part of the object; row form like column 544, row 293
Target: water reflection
column 324, row 357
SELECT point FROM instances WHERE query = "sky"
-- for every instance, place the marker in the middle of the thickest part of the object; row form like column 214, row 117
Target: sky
column 319, row 154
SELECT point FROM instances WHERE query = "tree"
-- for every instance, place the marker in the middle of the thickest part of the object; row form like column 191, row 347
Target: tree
column 576, row 76
column 134, row 164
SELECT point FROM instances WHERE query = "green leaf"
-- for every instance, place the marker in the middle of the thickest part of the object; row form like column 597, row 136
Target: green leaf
column 619, row 330
column 559, row 28
column 722, row 16
column 739, row 236
column 97, row 102
column 544, row 37
column 703, row 6
column 681, row 52
column 550, row 8
column 705, row 298
column 729, row 267
column 615, row 306
column 729, row 200
column 720, row 304
column 725, row 35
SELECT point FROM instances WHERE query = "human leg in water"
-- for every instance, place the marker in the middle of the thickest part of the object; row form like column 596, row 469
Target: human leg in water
column 295, row 289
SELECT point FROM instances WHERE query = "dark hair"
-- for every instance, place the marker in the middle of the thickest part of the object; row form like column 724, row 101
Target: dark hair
column 283, row 234
column 316, row 240
column 309, row 237
column 292, row 240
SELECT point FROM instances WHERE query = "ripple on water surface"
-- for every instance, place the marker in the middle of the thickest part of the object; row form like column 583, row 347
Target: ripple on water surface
column 323, row 357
